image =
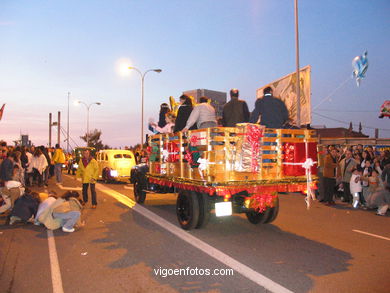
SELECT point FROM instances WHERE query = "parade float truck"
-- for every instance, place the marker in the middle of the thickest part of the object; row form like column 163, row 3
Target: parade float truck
column 229, row 170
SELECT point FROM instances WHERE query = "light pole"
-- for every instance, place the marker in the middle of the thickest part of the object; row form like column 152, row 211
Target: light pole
column 142, row 101
column 88, row 107
column 67, row 128
column 297, row 64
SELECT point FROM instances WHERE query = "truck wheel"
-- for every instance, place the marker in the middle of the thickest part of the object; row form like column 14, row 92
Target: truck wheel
column 187, row 209
column 139, row 193
column 204, row 209
column 258, row 218
column 273, row 211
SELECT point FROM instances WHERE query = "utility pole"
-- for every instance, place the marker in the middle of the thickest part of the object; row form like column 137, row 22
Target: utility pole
column 50, row 129
column 298, row 81
column 67, row 128
column 59, row 127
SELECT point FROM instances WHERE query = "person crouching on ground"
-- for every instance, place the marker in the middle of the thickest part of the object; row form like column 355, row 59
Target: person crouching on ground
column 47, row 203
column 88, row 171
column 65, row 212
column 25, row 207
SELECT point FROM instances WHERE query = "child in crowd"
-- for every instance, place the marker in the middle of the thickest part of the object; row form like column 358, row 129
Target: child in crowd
column 168, row 128
column 356, row 186
column 367, row 170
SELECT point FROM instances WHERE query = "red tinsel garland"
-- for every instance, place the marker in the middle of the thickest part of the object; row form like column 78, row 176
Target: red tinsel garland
column 230, row 190
column 260, row 202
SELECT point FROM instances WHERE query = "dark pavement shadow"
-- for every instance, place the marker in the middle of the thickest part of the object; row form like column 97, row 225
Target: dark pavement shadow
column 277, row 254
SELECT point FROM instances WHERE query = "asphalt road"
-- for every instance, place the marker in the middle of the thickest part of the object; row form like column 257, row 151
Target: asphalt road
column 324, row 249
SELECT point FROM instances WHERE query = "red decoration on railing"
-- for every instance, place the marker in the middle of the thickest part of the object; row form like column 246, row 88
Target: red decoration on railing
column 252, row 136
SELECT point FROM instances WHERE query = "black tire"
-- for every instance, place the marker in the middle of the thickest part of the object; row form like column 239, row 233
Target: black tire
column 187, row 209
column 268, row 216
column 139, row 193
column 274, row 211
column 258, row 218
column 204, row 209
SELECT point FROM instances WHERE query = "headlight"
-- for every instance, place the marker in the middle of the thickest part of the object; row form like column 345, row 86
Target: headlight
column 63, row 166
column 114, row 173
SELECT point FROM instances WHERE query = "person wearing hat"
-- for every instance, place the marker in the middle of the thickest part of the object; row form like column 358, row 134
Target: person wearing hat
column 235, row 111
column 269, row 111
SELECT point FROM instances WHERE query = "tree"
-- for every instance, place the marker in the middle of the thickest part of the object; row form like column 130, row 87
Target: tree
column 94, row 140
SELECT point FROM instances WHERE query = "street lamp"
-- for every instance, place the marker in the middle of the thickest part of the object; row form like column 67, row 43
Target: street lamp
column 142, row 101
column 88, row 107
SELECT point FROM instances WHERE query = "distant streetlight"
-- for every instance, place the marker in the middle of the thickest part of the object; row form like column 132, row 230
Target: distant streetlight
column 142, row 98
column 88, row 106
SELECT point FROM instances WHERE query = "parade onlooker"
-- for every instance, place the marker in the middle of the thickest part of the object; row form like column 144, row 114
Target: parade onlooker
column 381, row 200
column 65, row 212
column 10, row 193
column 270, row 111
column 356, row 186
column 29, row 169
column 235, row 111
column 25, row 207
column 69, row 211
column 7, row 167
column 367, row 171
column 47, row 203
column 386, row 175
column 46, row 172
column 366, row 156
column 346, row 166
column 39, row 164
column 183, row 113
column 58, row 160
column 377, row 167
column 203, row 115
column 329, row 176
column 88, row 171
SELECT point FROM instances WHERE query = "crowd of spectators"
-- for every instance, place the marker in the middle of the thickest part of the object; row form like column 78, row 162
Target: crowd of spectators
column 22, row 168
column 356, row 175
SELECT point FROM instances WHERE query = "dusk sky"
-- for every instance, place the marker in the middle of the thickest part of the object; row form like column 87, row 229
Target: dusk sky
column 50, row 48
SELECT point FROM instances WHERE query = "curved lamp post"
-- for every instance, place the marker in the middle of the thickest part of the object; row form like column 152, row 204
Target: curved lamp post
column 142, row 98
column 88, row 106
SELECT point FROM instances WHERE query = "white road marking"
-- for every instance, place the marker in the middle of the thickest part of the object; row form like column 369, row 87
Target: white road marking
column 373, row 235
column 54, row 265
column 128, row 187
column 192, row 240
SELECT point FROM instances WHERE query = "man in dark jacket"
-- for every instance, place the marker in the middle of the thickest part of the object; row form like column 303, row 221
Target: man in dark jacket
column 271, row 111
column 7, row 168
column 235, row 111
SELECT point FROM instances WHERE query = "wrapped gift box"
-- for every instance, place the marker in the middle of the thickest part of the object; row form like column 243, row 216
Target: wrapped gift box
column 296, row 153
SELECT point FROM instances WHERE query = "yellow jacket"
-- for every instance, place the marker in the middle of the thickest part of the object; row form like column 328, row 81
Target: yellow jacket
column 58, row 157
column 90, row 173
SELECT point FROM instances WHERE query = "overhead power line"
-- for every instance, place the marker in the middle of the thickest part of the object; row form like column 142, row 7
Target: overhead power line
column 347, row 123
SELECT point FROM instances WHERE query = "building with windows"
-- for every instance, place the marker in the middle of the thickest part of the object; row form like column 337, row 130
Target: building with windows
column 218, row 99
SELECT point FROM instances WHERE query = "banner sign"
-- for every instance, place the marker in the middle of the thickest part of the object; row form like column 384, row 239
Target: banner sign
column 285, row 89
